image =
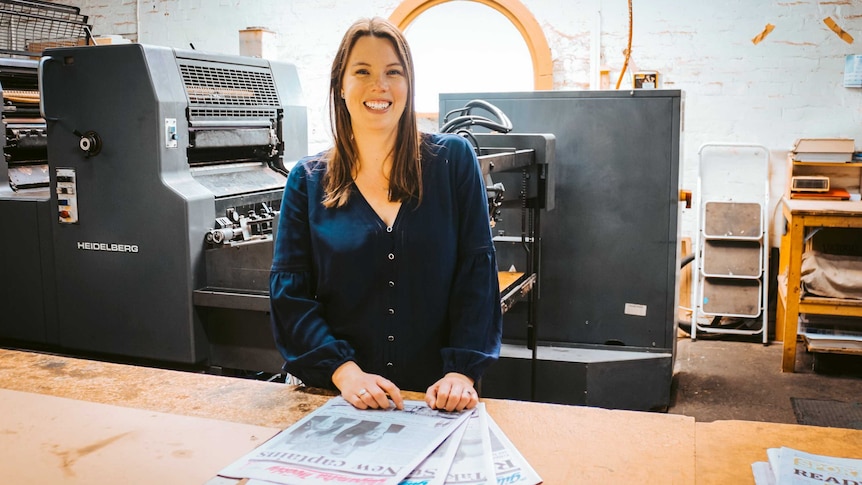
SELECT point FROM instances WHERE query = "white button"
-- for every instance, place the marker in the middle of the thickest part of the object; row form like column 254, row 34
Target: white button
column 391, row 256
column 392, row 311
column 389, row 229
column 391, row 338
column 392, row 284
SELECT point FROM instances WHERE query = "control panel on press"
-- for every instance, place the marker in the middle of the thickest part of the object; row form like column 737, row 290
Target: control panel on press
column 67, row 196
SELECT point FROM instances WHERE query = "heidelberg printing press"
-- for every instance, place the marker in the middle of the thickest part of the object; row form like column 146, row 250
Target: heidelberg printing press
column 166, row 169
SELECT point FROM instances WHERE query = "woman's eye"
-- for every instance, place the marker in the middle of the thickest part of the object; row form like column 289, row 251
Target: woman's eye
column 395, row 72
column 361, row 71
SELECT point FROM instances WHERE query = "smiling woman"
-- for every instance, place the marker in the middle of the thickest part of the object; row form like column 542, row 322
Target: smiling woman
column 384, row 274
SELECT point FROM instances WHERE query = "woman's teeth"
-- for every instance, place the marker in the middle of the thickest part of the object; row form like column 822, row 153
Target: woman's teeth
column 378, row 105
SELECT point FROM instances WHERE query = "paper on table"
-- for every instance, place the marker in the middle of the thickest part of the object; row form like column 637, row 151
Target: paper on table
column 339, row 443
column 794, row 467
column 434, row 469
column 473, row 462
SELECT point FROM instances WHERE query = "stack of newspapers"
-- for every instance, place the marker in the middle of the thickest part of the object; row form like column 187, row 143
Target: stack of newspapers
column 338, row 443
column 787, row 466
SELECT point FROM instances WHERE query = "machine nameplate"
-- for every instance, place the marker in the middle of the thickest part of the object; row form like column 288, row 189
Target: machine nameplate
column 635, row 309
column 108, row 247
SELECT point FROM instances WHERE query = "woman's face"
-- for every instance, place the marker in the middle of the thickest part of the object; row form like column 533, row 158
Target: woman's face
column 374, row 85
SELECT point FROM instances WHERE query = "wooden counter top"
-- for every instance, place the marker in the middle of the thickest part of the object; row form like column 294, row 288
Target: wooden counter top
column 565, row 444
column 198, row 423
column 186, row 393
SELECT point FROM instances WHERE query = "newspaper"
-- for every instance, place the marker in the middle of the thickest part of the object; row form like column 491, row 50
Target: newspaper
column 473, row 463
column 509, row 465
column 434, row 469
column 338, row 443
column 788, row 466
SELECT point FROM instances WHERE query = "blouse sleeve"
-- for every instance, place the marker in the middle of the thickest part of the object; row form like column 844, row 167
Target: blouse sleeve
column 474, row 303
column 302, row 336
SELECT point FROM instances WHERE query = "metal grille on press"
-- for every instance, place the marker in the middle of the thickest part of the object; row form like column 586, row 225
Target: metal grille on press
column 232, row 113
column 219, row 87
column 28, row 27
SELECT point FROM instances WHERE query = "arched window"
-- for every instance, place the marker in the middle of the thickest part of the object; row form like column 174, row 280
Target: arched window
column 473, row 46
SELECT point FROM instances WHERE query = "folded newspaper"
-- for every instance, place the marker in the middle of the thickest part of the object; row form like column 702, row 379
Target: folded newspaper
column 787, row 466
column 338, row 443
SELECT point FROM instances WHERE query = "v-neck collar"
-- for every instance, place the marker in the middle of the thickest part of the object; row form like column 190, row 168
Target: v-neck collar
column 373, row 213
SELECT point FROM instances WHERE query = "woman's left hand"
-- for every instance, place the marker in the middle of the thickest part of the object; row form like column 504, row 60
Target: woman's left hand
column 454, row 392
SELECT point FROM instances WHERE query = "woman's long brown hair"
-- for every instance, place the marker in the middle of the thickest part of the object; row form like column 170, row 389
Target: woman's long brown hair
column 405, row 179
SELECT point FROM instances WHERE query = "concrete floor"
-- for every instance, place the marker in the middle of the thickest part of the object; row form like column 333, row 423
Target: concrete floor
column 726, row 379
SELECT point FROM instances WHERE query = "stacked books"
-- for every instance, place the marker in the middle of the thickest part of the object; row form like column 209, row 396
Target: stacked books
column 817, row 165
column 823, row 150
column 417, row 445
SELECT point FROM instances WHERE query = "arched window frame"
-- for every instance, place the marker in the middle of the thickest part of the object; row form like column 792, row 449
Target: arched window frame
column 516, row 12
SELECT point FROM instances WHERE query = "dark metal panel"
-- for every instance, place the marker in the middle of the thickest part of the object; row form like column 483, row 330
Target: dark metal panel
column 241, row 339
column 618, row 379
column 27, row 289
column 642, row 385
column 609, row 247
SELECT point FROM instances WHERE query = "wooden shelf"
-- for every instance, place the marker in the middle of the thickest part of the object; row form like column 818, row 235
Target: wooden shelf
column 842, row 175
column 792, row 300
column 828, row 164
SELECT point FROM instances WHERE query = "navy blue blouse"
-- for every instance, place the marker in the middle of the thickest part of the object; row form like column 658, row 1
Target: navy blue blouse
column 410, row 302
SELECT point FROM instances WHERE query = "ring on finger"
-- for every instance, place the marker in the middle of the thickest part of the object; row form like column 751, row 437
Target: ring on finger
column 362, row 392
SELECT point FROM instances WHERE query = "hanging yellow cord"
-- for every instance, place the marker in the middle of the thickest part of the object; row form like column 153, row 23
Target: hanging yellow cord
column 628, row 48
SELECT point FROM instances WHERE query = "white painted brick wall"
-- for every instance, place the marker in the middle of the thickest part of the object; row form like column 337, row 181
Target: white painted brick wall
column 788, row 86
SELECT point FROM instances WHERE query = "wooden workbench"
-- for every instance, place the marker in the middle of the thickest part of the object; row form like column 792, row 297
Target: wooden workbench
column 802, row 215
column 70, row 421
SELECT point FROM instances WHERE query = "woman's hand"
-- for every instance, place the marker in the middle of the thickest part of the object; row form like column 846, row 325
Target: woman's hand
column 454, row 392
column 365, row 391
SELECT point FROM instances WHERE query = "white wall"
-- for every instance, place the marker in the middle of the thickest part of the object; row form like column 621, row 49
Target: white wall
column 790, row 85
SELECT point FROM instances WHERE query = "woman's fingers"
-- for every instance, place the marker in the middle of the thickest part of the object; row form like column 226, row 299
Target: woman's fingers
column 452, row 394
column 373, row 392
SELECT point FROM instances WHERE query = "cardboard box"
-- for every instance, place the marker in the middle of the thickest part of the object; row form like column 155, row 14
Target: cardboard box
column 48, row 44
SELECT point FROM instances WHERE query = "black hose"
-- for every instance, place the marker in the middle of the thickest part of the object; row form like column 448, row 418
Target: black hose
column 465, row 118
